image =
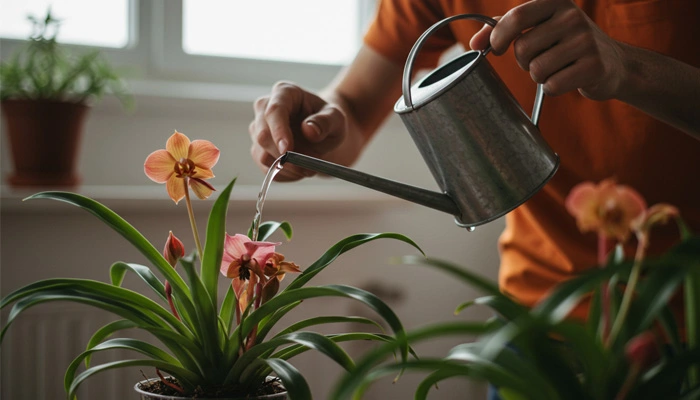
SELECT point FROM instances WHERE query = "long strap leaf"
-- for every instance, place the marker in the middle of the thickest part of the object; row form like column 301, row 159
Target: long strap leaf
column 186, row 378
column 214, row 245
column 293, row 380
column 339, row 248
column 144, row 348
column 127, row 231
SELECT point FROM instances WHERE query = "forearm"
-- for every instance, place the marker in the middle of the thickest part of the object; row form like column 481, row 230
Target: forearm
column 365, row 92
column 662, row 87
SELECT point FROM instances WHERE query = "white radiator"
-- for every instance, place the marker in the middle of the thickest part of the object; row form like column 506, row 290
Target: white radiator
column 43, row 341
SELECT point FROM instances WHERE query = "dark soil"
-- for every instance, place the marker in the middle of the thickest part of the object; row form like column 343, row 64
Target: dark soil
column 156, row 386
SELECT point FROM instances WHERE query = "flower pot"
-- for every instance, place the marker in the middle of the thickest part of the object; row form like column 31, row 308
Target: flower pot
column 44, row 139
column 145, row 395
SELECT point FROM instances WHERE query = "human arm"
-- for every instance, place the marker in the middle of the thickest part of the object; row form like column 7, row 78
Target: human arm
column 564, row 50
column 335, row 124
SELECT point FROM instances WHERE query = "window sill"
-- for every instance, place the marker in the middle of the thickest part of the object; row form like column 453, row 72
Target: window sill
column 154, row 199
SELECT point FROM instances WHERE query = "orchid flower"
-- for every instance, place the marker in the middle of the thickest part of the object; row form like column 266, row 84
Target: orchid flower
column 656, row 214
column 183, row 163
column 607, row 208
column 243, row 262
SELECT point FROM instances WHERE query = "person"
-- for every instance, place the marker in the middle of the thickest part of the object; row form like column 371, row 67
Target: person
column 624, row 76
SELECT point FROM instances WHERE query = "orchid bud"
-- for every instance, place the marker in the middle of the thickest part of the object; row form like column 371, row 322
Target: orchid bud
column 642, row 350
column 174, row 249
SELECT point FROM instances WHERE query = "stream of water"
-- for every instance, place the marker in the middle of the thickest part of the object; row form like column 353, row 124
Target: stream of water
column 275, row 168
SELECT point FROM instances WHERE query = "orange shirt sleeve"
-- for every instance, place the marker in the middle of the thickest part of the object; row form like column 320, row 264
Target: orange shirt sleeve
column 399, row 23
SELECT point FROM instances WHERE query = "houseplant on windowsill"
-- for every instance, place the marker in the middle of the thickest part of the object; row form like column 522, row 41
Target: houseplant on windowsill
column 45, row 93
column 209, row 348
column 631, row 346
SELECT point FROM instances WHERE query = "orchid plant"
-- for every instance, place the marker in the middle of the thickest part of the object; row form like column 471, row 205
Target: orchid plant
column 209, row 345
column 633, row 345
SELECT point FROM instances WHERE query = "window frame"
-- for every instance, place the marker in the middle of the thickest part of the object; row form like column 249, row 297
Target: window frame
column 155, row 57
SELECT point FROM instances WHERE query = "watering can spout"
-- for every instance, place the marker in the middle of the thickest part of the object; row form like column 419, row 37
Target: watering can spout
column 424, row 197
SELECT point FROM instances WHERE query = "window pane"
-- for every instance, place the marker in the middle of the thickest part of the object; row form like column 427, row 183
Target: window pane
column 312, row 31
column 103, row 23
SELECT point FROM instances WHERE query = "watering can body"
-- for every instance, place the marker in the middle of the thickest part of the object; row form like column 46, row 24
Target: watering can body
column 485, row 153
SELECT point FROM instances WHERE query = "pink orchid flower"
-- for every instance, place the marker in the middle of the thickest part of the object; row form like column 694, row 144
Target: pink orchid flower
column 182, row 160
column 243, row 261
column 607, row 208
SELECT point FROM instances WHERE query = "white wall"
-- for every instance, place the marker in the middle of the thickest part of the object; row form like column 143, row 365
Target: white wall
column 42, row 239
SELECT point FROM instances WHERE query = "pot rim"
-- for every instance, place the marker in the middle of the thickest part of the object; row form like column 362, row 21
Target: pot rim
column 171, row 397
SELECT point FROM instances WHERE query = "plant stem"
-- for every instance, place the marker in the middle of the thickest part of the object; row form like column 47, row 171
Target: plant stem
column 190, row 212
column 604, row 289
column 629, row 290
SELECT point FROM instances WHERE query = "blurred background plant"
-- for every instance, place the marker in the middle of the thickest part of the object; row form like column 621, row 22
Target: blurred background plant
column 637, row 342
column 44, row 70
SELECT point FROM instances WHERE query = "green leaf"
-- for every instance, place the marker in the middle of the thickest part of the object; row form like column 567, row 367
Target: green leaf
column 128, row 232
column 186, row 378
column 474, row 280
column 266, row 229
column 327, row 320
column 293, row 380
column 119, row 270
column 339, row 248
column 207, row 317
column 228, row 309
column 105, row 332
column 144, row 348
column 214, row 245
column 311, row 340
column 128, row 304
column 350, row 381
column 288, row 297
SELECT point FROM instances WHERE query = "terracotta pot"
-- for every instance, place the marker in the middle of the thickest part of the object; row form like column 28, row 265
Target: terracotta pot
column 151, row 396
column 44, row 140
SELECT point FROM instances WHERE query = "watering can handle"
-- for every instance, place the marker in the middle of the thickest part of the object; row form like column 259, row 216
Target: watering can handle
column 408, row 68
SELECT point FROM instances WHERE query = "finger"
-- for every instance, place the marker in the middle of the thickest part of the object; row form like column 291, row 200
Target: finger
column 285, row 98
column 557, row 58
column 480, row 40
column 580, row 74
column 327, row 128
column 517, row 20
column 537, row 41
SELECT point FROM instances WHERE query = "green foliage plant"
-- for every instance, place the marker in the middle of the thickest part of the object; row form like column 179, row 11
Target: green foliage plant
column 43, row 69
column 206, row 343
column 632, row 345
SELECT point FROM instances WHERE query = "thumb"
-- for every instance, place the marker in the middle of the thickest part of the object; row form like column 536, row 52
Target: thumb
column 481, row 39
column 327, row 124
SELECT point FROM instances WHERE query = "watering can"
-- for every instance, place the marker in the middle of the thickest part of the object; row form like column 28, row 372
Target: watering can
column 486, row 154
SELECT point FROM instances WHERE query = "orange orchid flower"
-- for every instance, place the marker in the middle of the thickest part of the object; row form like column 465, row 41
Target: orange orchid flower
column 607, row 208
column 183, row 160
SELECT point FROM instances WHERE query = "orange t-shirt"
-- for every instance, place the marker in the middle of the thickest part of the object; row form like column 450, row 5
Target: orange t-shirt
column 541, row 244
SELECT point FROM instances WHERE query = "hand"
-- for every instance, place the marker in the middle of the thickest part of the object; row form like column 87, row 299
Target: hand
column 291, row 118
column 560, row 46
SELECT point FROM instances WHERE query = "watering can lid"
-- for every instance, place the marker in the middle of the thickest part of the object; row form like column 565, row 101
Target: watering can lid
column 438, row 81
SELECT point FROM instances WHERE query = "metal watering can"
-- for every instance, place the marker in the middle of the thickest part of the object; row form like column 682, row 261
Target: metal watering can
column 487, row 156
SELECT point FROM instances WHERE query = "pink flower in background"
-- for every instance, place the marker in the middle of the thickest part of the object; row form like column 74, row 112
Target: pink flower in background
column 182, row 160
column 607, row 208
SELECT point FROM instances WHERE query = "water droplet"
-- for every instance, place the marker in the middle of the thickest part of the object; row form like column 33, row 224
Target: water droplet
column 471, row 228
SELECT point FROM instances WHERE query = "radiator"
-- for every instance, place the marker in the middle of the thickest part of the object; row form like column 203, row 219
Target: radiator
column 43, row 341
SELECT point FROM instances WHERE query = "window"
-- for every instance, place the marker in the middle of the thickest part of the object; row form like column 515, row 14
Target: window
column 309, row 31
column 244, row 44
column 83, row 22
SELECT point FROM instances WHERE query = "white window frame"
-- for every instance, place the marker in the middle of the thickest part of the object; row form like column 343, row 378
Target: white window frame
column 159, row 66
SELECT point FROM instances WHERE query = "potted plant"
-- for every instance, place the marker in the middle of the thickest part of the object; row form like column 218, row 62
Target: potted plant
column 209, row 347
column 45, row 93
column 631, row 346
